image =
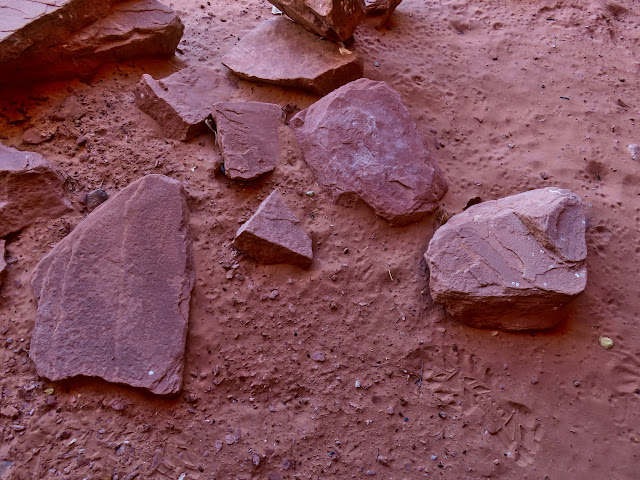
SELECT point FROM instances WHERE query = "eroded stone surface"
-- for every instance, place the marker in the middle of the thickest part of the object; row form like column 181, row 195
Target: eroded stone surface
column 511, row 263
column 282, row 53
column 272, row 235
column 30, row 188
column 248, row 137
column 113, row 296
column 181, row 102
column 332, row 19
column 361, row 143
column 66, row 38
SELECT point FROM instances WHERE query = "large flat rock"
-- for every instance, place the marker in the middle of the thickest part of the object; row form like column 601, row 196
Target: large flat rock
column 248, row 137
column 272, row 235
column 30, row 188
column 280, row 52
column 95, row 33
column 113, row 296
column 361, row 144
column 511, row 263
column 332, row 19
column 181, row 102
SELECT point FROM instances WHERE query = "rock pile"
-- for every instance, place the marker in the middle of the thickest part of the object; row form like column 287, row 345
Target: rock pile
column 45, row 41
column 511, row 263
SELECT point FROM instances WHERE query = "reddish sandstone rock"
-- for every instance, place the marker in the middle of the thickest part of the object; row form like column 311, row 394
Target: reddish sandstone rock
column 332, row 19
column 113, row 296
column 248, row 137
column 3, row 263
column 30, row 188
column 361, row 143
column 382, row 9
column 282, row 53
column 74, row 37
column 181, row 102
column 272, row 235
column 511, row 263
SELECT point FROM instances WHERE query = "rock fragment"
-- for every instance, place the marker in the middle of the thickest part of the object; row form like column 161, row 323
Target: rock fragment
column 248, row 137
column 332, row 19
column 272, row 235
column 279, row 52
column 94, row 199
column 512, row 263
column 181, row 102
column 31, row 188
column 113, row 296
column 381, row 8
column 361, row 144
column 74, row 37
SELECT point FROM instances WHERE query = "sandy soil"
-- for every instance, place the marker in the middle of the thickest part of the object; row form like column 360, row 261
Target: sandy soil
column 507, row 92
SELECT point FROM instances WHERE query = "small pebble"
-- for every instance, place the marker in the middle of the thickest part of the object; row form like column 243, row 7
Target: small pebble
column 376, row 64
column 606, row 342
column 534, row 380
column 576, row 383
column 544, row 176
column 442, row 415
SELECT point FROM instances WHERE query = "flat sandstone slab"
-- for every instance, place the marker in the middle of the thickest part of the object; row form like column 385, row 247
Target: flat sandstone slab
column 361, row 144
column 113, row 296
column 282, row 53
column 272, row 235
column 30, row 188
column 511, row 263
column 181, row 102
column 248, row 137
column 96, row 34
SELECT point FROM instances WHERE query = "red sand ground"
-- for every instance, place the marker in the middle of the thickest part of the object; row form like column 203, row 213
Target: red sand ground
column 503, row 90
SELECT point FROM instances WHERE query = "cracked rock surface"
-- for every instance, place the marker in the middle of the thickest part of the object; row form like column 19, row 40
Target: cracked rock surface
column 511, row 263
column 113, row 296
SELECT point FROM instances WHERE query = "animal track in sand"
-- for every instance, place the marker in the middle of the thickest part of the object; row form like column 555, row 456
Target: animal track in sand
column 461, row 381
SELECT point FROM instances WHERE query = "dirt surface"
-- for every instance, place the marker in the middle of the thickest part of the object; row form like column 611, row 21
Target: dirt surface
column 349, row 369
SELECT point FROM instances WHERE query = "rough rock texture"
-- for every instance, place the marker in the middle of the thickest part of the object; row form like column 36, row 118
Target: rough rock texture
column 332, row 19
column 30, row 188
column 3, row 263
column 113, row 296
column 248, row 137
column 361, row 143
column 94, row 199
column 511, row 263
column 181, row 102
column 67, row 38
column 282, row 53
column 272, row 235
column 383, row 9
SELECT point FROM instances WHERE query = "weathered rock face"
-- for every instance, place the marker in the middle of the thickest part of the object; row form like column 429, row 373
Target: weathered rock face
column 381, row 7
column 332, row 19
column 272, row 235
column 282, row 53
column 113, row 296
column 181, row 102
column 511, row 263
column 66, row 38
column 361, row 143
column 3, row 263
column 30, row 188
column 248, row 137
